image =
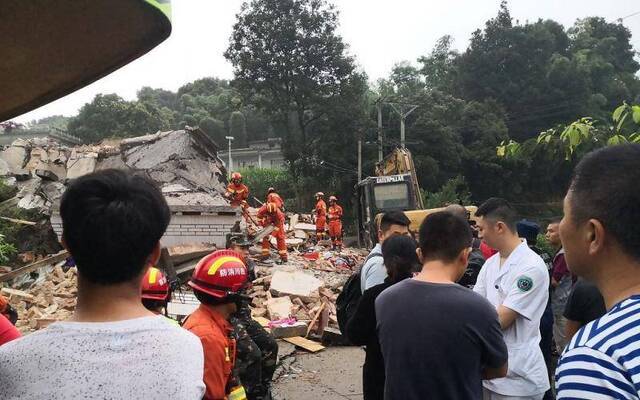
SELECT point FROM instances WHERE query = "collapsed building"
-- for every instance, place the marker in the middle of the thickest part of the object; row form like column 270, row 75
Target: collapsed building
column 184, row 163
column 294, row 300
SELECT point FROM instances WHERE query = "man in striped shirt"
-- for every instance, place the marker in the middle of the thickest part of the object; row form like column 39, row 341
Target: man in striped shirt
column 600, row 233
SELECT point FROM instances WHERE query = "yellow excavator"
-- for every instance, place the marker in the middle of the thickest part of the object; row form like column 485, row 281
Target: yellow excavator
column 395, row 187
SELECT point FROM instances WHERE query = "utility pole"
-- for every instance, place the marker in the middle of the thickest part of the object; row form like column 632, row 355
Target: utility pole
column 403, row 111
column 359, row 157
column 230, row 166
column 379, row 107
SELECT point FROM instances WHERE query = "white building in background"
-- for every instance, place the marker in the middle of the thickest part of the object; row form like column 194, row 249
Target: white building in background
column 260, row 154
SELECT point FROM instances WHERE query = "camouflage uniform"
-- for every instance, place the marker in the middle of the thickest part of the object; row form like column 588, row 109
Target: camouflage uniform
column 256, row 351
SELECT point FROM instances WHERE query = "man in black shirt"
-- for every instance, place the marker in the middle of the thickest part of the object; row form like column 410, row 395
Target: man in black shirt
column 584, row 305
column 439, row 339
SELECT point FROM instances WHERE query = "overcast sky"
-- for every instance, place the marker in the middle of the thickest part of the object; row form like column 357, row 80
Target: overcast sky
column 379, row 34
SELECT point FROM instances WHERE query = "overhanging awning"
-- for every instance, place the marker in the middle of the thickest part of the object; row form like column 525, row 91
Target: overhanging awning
column 52, row 48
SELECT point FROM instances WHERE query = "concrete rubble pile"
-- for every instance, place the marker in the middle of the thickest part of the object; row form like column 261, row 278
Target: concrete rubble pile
column 183, row 162
column 298, row 299
column 48, row 298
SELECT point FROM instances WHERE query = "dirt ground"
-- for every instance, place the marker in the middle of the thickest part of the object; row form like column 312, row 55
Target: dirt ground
column 334, row 373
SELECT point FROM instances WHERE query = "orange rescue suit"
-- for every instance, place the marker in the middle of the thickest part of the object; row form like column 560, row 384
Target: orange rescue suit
column 335, row 224
column 276, row 218
column 321, row 219
column 274, row 197
column 237, row 194
column 219, row 349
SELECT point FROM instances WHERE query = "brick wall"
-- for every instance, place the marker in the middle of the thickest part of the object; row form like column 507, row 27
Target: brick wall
column 186, row 229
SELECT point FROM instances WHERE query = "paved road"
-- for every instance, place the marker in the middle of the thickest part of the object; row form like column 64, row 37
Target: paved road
column 332, row 374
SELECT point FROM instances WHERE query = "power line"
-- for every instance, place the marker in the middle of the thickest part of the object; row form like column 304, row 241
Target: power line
column 630, row 15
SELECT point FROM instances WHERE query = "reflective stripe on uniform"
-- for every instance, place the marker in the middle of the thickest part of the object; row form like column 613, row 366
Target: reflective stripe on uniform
column 238, row 393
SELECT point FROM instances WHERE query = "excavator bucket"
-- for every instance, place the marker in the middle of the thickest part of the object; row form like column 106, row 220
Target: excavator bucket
column 52, row 48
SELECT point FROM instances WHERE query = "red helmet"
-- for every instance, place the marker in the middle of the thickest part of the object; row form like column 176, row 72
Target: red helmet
column 155, row 285
column 236, row 176
column 220, row 274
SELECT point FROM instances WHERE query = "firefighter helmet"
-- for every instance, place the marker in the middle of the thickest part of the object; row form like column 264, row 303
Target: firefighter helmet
column 319, row 194
column 271, row 190
column 236, row 177
column 155, row 285
column 220, row 274
column 333, row 198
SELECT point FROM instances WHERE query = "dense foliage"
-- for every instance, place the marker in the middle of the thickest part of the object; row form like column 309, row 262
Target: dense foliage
column 295, row 79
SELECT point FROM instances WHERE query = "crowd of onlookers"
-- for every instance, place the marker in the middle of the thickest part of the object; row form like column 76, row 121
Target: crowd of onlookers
column 447, row 316
column 472, row 311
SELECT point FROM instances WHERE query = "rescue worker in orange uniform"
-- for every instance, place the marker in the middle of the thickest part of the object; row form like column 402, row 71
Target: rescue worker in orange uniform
column 270, row 214
column 273, row 197
column 321, row 216
column 237, row 192
column 218, row 282
column 335, row 223
column 155, row 292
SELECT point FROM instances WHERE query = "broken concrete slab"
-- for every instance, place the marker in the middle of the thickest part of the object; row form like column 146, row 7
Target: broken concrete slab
column 187, row 252
column 305, row 227
column 298, row 328
column 47, row 174
column 16, row 155
column 81, row 166
column 4, row 168
column 279, row 308
column 295, row 283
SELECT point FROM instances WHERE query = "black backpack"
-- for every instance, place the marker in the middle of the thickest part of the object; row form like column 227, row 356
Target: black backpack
column 348, row 299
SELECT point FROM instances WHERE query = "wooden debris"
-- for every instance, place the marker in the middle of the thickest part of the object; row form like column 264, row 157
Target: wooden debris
column 17, row 293
column 32, row 267
column 315, row 318
column 262, row 321
column 18, row 221
column 306, row 344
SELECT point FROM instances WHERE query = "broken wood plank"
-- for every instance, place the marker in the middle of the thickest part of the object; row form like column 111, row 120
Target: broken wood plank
column 18, row 221
column 315, row 318
column 32, row 267
column 17, row 293
column 306, row 344
column 262, row 321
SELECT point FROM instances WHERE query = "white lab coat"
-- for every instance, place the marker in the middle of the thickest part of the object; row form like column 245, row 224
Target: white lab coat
column 521, row 284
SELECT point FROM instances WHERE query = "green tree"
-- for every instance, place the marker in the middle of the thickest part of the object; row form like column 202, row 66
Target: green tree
column 439, row 67
column 100, row 119
column 215, row 130
column 238, row 128
column 288, row 58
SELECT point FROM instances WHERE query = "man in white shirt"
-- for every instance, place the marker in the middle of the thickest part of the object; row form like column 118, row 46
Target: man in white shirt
column 113, row 347
column 516, row 282
column 373, row 271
